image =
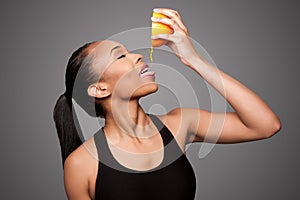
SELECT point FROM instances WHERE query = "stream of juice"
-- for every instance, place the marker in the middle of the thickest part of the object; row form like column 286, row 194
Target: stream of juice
column 151, row 54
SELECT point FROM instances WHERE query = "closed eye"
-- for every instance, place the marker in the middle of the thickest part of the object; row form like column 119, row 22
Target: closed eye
column 122, row 56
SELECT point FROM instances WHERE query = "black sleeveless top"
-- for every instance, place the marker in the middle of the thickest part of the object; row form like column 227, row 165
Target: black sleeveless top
column 173, row 179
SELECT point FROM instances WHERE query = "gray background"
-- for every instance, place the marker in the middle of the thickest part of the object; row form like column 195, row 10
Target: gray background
column 253, row 40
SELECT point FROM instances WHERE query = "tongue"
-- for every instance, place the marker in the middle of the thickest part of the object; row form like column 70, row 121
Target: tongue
column 147, row 74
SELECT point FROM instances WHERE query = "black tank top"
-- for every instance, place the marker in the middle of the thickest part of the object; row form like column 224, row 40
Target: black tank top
column 173, row 179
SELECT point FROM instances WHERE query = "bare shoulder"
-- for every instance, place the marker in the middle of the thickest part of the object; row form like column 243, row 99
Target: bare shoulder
column 83, row 155
column 178, row 122
column 80, row 170
column 178, row 118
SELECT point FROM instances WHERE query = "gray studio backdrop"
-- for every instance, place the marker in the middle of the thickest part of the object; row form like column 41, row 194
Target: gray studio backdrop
column 255, row 41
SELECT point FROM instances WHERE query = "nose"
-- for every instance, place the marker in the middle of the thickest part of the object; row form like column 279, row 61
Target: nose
column 136, row 58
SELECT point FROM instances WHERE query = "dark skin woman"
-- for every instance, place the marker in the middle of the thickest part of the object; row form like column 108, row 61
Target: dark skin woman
column 111, row 83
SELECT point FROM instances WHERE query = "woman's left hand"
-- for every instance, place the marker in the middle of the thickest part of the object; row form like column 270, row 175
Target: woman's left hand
column 179, row 41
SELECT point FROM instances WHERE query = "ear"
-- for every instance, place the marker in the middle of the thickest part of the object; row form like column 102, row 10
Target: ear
column 98, row 90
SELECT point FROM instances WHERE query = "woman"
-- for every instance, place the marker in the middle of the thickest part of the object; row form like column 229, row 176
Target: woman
column 126, row 159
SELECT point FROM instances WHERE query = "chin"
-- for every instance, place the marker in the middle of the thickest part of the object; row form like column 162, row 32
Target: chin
column 153, row 87
column 146, row 89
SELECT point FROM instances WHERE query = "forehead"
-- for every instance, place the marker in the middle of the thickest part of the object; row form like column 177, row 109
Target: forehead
column 104, row 47
column 102, row 54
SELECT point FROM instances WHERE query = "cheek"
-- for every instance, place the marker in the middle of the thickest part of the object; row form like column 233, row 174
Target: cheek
column 122, row 81
column 127, row 81
column 119, row 68
column 115, row 73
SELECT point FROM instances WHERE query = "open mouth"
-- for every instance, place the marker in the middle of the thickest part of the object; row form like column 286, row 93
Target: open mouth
column 145, row 71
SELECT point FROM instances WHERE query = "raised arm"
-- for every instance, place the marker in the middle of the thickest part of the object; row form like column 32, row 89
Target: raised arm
column 252, row 119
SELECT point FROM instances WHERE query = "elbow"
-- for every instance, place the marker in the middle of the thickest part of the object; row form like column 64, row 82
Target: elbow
column 277, row 126
column 273, row 127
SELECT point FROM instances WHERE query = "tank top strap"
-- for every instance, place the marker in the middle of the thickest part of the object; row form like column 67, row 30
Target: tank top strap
column 166, row 134
column 171, row 147
column 104, row 154
column 99, row 142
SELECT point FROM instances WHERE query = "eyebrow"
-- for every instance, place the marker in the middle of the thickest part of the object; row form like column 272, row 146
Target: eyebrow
column 116, row 47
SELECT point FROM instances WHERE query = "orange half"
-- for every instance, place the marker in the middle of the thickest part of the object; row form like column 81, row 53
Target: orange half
column 160, row 28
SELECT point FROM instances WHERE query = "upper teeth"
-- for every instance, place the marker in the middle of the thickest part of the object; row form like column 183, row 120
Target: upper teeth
column 144, row 70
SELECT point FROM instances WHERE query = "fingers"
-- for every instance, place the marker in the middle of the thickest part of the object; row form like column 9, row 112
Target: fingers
column 167, row 11
column 168, row 22
column 161, row 36
column 178, row 32
column 173, row 15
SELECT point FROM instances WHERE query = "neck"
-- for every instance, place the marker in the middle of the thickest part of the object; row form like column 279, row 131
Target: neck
column 128, row 119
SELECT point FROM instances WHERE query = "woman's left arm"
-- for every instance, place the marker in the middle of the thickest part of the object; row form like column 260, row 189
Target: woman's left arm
column 252, row 120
